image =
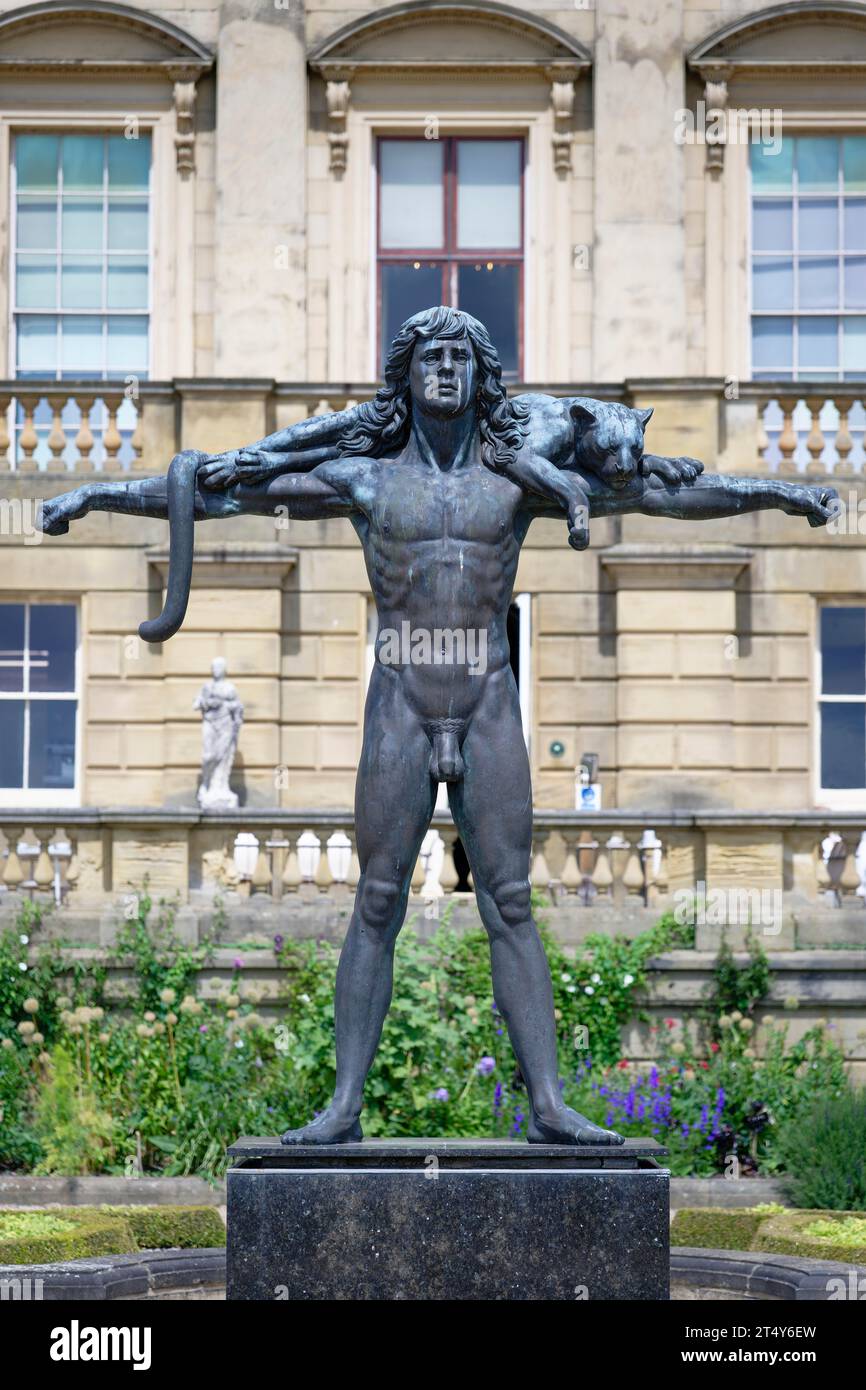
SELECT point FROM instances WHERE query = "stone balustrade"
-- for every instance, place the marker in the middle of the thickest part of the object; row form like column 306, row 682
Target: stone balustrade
column 609, row 860
column 812, row 428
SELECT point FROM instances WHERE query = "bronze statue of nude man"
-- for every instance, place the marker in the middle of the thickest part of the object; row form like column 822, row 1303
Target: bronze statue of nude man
column 422, row 474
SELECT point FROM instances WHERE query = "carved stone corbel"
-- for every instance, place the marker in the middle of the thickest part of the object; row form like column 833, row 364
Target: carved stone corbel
column 338, row 93
column 184, row 137
column 715, row 102
column 562, row 100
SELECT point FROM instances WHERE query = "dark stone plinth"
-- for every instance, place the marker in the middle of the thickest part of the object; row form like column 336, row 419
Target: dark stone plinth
column 447, row 1219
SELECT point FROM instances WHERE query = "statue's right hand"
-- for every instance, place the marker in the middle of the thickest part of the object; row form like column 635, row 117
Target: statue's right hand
column 235, row 466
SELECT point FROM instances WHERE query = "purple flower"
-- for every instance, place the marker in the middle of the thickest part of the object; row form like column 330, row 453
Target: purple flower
column 441, row 1094
column 202, row 1027
column 497, row 1096
column 237, row 963
column 278, row 941
column 485, row 1066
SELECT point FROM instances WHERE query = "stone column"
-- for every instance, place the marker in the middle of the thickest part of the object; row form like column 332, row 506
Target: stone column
column 260, row 291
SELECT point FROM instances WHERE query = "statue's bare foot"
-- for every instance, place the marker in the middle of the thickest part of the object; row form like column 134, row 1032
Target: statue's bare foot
column 566, row 1126
column 331, row 1127
column 55, row 513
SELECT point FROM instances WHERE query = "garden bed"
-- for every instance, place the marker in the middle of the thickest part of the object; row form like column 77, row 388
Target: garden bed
column 65, row 1233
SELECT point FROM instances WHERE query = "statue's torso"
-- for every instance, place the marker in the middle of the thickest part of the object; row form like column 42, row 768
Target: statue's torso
column 441, row 550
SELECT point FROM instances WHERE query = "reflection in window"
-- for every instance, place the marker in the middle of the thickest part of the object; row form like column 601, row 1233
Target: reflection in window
column 451, row 232
column 843, row 698
column 38, row 703
column 809, row 258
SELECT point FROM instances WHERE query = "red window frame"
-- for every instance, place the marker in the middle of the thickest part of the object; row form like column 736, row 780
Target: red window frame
column 449, row 253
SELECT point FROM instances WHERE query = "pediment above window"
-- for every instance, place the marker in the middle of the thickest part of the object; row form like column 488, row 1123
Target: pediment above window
column 820, row 37
column 98, row 36
column 437, row 35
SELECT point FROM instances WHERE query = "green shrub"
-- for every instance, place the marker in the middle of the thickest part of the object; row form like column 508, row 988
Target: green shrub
column 825, row 1154
column 815, row 1235
column 166, row 1228
column 65, row 1233
column 718, row 1228
column 77, row 1133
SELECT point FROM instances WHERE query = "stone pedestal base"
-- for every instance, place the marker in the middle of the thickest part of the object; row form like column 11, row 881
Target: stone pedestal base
column 447, row 1219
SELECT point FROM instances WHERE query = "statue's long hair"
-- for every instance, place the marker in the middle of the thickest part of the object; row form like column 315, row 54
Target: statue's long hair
column 382, row 425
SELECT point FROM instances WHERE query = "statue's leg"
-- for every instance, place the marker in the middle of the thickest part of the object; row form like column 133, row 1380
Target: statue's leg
column 492, row 807
column 394, row 800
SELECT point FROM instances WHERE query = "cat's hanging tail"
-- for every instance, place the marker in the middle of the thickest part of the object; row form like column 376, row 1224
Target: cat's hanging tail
column 180, row 487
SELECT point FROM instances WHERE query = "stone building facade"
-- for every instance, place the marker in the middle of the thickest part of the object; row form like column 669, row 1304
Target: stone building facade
column 239, row 269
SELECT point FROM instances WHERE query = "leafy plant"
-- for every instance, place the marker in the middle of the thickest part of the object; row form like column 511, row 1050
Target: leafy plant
column 825, row 1152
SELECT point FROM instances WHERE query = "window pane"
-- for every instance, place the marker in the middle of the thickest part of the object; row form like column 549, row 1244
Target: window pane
column 128, row 163
column 818, row 163
column 411, row 195
column 843, row 651
column 82, row 224
column 406, row 289
column 52, row 646
column 772, row 224
column 854, row 163
column 772, row 283
column 854, row 214
column 773, row 344
column 82, row 162
column 11, row 743
column 36, row 224
column 818, row 344
column 854, row 346
column 855, row 282
column 35, row 282
column 81, row 350
column 818, row 286
column 37, row 345
column 491, row 293
column 11, row 647
column 818, row 224
column 127, row 225
column 127, row 346
column 81, row 282
column 488, row 193
column 36, row 162
column 127, row 282
column 843, row 745
column 772, row 170
column 52, row 744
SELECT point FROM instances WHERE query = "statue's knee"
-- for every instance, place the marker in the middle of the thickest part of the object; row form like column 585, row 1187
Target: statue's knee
column 513, row 902
column 195, row 454
column 379, row 904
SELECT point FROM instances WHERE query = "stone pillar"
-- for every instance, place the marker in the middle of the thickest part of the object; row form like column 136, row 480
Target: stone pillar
column 260, row 296
column 639, row 305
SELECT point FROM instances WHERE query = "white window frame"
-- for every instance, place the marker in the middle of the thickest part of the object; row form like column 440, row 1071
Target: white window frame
column 50, row 796
column 833, row 798
column 58, row 313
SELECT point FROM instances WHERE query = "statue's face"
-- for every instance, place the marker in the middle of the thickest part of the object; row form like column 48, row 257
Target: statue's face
column 218, row 668
column 442, row 376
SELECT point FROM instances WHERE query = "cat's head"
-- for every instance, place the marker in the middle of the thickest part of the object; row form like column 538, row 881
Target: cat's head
column 608, row 440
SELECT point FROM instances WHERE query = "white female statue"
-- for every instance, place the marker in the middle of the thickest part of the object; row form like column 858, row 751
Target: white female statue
column 222, row 716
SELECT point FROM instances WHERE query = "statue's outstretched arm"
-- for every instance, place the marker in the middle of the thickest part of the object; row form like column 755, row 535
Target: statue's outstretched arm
column 296, row 449
column 330, row 490
column 714, row 495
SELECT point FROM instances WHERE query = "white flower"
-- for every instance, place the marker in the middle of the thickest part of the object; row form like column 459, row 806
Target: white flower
column 628, row 980
column 239, row 1043
column 304, row 998
column 25, row 940
column 596, row 978
column 588, row 989
column 571, row 989
column 565, row 977
column 22, row 965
